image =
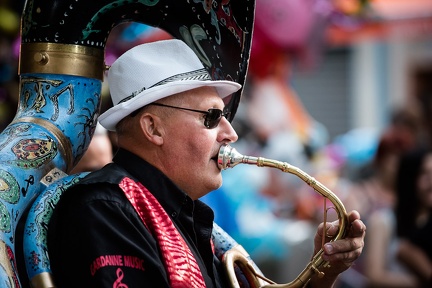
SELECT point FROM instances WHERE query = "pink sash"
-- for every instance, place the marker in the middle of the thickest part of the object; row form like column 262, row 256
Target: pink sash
column 180, row 264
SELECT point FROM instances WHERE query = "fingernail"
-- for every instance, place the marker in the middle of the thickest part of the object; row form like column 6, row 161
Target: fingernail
column 328, row 248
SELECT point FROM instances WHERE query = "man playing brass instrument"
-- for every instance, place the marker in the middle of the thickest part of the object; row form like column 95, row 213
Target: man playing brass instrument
column 138, row 222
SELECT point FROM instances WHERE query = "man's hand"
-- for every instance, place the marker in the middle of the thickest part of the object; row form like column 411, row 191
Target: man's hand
column 341, row 253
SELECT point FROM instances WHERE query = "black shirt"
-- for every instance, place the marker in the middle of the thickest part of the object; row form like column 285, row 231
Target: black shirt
column 96, row 238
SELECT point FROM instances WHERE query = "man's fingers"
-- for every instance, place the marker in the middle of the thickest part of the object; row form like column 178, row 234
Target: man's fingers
column 346, row 245
column 353, row 215
column 343, row 252
column 331, row 229
column 357, row 229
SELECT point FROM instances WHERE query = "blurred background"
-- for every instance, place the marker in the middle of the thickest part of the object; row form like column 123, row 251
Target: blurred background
column 341, row 89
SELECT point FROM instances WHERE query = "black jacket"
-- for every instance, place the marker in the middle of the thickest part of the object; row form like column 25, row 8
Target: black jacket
column 96, row 238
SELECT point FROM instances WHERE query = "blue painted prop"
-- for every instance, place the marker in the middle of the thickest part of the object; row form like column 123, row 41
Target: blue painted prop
column 35, row 231
column 59, row 104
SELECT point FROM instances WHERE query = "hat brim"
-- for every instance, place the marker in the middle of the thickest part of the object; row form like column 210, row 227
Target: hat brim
column 112, row 116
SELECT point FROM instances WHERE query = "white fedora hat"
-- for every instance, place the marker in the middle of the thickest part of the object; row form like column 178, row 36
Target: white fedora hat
column 152, row 71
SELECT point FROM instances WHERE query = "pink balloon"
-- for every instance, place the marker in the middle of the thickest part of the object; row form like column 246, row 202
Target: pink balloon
column 286, row 23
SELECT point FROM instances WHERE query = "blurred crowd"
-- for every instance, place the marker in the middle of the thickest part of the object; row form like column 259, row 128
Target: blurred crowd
column 387, row 178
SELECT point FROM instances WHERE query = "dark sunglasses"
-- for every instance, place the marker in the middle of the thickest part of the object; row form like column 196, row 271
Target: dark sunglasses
column 212, row 117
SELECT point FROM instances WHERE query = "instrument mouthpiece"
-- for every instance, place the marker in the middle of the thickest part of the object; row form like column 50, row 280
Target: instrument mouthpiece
column 228, row 157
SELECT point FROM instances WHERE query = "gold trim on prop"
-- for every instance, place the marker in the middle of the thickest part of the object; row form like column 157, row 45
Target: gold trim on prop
column 53, row 58
column 64, row 144
column 42, row 280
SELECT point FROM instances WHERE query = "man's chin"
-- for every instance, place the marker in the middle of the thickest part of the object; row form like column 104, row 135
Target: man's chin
column 216, row 182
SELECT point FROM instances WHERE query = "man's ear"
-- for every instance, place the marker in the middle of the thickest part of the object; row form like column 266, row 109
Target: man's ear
column 151, row 127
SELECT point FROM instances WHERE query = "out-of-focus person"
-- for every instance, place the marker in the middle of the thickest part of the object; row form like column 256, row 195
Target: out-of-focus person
column 413, row 213
column 374, row 194
column 379, row 263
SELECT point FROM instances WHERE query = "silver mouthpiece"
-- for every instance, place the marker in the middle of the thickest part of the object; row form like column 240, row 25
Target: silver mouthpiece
column 224, row 157
column 228, row 157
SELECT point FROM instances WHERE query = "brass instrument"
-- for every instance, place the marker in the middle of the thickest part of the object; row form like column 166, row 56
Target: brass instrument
column 229, row 157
